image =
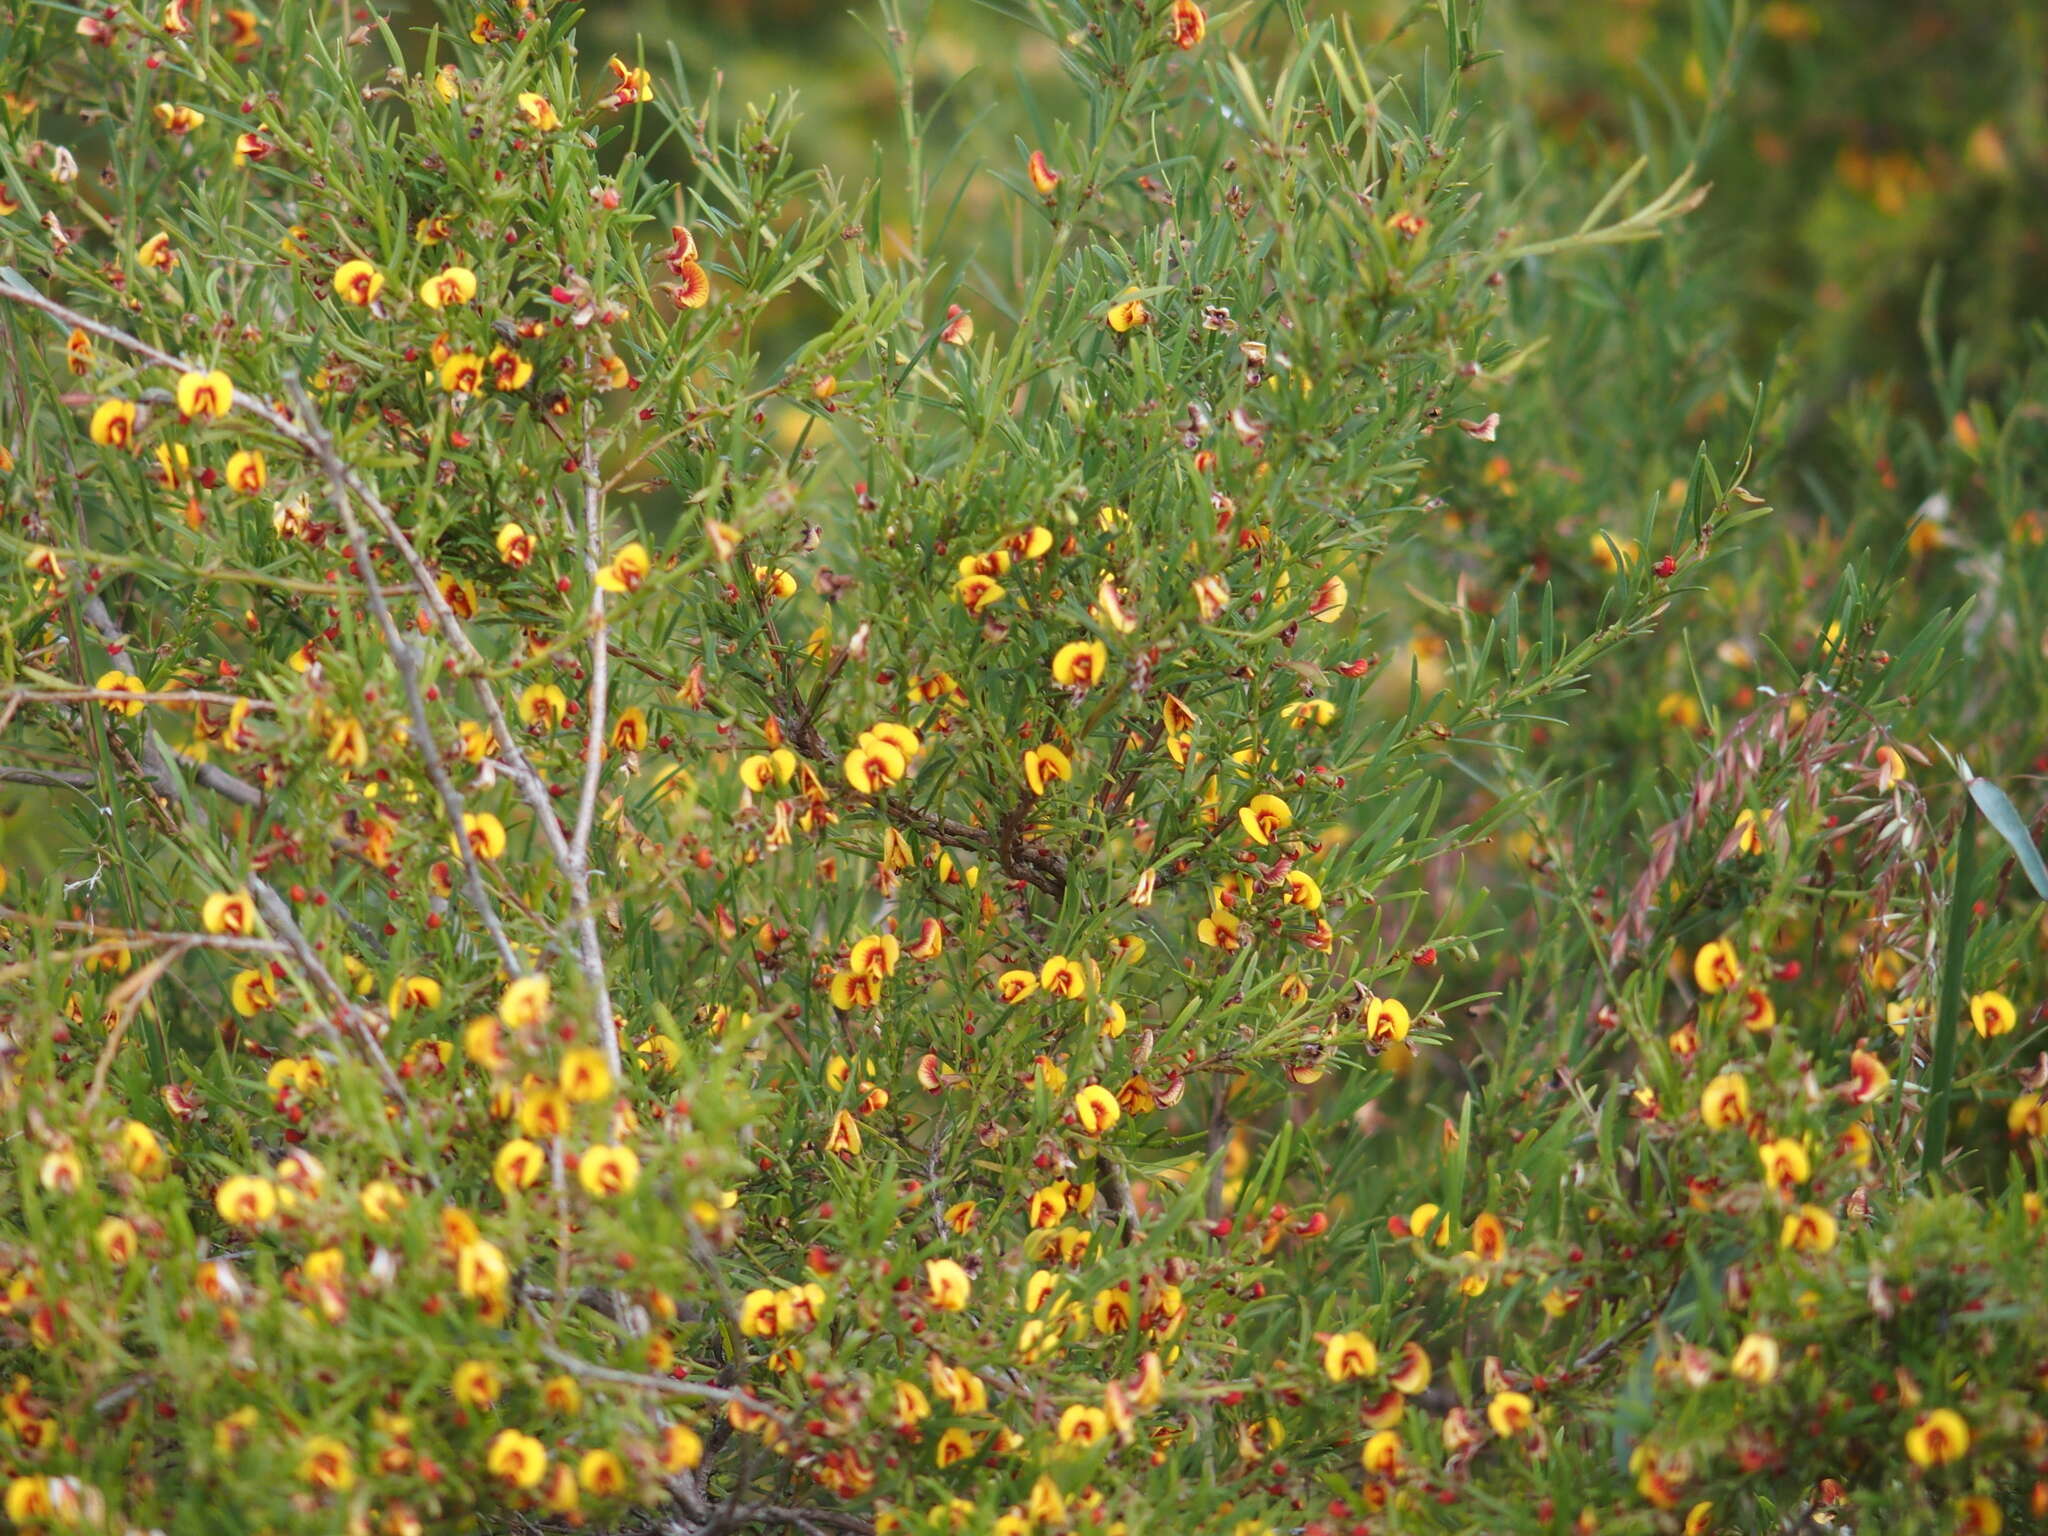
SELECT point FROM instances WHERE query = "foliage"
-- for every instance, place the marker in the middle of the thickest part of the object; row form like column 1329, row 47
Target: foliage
column 706, row 855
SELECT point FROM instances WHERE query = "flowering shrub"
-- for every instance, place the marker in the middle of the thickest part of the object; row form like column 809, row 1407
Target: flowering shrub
column 695, row 870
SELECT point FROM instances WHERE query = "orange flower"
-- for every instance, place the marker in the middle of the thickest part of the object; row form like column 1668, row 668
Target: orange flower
column 959, row 327
column 1044, row 179
column 1187, row 24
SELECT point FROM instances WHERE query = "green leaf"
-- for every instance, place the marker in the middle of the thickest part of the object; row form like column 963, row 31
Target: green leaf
column 2005, row 820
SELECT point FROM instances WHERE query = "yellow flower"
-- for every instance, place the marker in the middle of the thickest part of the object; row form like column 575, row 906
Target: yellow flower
column 205, row 394
column 141, row 1153
column 1809, row 1229
column 947, row 1287
column 251, row 992
column 518, row 1165
column 1046, row 765
column 228, row 912
column 1724, row 1102
column 584, row 1076
column 527, row 1002
column 679, row 1449
column 543, row 704
column 176, row 119
column 1080, row 663
column 327, row 1463
column 410, row 994
column 481, row 1272
column 1127, row 313
column 1387, row 1021
column 348, row 744
column 156, row 252
column 606, row 1171
column 1327, row 607
column 478, row 1385
column 1755, row 1360
column 1785, row 1162
column 1016, row 985
column 1263, row 816
column 874, row 765
column 484, row 833
column 538, row 111
column 635, row 84
column 1187, row 24
column 113, row 424
column 508, row 370
column 601, row 1474
column 1349, row 1357
column 1938, row 1438
column 1083, row 1425
column 1715, row 968
column 244, row 1201
column 626, row 569
column 1097, row 1109
column 1992, row 1013
column 451, row 285
column 520, row 1460
column 462, row 373
column 1510, row 1414
column 247, row 472
column 120, row 682
column 515, row 545
column 357, row 282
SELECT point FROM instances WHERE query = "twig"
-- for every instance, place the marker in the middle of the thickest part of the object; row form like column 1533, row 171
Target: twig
column 409, row 679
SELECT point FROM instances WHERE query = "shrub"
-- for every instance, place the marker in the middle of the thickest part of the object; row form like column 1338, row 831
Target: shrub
column 708, row 857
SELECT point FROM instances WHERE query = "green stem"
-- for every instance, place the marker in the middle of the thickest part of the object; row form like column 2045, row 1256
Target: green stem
column 1941, row 1075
